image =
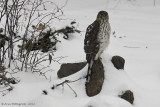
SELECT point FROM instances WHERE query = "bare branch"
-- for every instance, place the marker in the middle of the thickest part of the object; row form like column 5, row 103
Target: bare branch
column 66, row 82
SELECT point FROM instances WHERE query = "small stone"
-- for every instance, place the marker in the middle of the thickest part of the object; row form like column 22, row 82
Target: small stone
column 118, row 62
column 53, row 87
column 128, row 96
column 45, row 92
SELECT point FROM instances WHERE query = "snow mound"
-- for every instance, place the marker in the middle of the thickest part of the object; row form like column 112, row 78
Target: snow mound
column 108, row 101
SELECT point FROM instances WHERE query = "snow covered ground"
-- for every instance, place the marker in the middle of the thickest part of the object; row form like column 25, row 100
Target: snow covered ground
column 136, row 25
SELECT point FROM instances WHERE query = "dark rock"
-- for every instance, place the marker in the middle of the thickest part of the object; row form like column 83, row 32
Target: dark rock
column 70, row 68
column 128, row 96
column 96, row 80
column 53, row 87
column 118, row 62
column 13, row 81
column 45, row 92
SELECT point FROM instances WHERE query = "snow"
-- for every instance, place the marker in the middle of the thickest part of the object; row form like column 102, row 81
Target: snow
column 136, row 39
column 108, row 101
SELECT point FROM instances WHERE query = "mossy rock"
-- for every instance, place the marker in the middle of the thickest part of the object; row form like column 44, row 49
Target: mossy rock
column 70, row 68
column 118, row 62
column 94, row 86
column 128, row 96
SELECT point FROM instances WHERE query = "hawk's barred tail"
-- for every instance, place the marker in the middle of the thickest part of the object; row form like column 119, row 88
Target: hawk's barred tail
column 89, row 69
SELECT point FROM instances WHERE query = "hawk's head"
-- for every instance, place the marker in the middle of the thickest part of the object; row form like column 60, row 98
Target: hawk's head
column 102, row 15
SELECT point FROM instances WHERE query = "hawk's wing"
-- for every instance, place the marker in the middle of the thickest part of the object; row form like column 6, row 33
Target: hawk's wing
column 91, row 45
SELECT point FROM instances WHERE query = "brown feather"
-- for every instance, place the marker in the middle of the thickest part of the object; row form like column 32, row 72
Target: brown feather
column 91, row 45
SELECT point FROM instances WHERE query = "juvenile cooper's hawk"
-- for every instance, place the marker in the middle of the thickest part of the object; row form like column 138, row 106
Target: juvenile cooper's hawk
column 96, row 39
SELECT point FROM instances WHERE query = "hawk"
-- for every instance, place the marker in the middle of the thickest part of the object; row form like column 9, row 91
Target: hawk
column 96, row 39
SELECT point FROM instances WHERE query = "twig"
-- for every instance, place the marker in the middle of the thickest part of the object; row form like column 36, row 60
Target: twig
column 68, row 81
column 72, row 90
column 6, row 90
column 42, row 73
column 9, row 80
column 57, row 59
column 131, row 47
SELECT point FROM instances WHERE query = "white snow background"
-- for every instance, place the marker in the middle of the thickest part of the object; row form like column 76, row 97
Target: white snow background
column 137, row 39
